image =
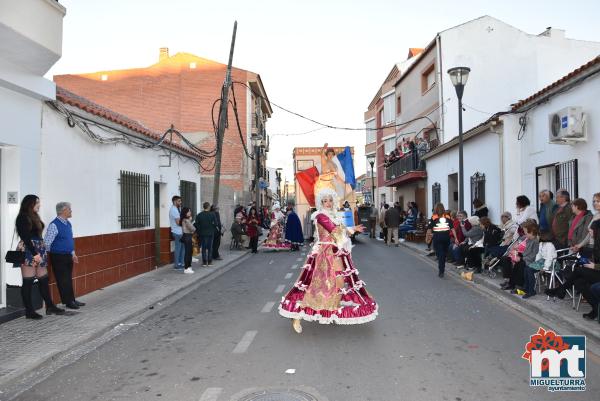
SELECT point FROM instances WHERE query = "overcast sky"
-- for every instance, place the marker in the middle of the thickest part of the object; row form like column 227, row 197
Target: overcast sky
column 321, row 58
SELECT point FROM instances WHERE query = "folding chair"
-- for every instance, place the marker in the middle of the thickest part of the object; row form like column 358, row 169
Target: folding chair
column 560, row 264
column 492, row 268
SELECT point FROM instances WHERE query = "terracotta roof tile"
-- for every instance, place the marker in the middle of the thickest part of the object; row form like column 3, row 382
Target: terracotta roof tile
column 553, row 85
column 87, row 105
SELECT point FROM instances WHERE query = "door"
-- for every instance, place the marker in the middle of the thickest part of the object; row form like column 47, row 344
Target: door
column 453, row 191
column 421, row 199
column 157, row 223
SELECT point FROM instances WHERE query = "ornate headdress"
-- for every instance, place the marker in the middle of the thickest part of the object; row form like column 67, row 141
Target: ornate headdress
column 326, row 193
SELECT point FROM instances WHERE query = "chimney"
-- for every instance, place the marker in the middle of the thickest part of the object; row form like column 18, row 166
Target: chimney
column 163, row 54
column 553, row 33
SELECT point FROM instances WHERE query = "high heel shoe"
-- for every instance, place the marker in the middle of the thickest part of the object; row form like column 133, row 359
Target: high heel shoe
column 297, row 326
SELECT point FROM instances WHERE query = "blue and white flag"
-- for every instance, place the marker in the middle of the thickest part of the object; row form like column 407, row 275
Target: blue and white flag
column 346, row 166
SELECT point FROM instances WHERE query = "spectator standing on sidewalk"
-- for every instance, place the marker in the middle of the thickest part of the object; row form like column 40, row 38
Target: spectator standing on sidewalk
column 382, row 222
column 440, row 226
column 61, row 246
column 392, row 222
column 177, row 232
column 547, row 209
column 188, row 231
column 205, row 228
column 218, row 233
column 252, row 227
column 29, row 228
column 561, row 220
column 373, row 222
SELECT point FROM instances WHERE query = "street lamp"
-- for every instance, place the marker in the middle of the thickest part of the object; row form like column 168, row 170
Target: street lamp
column 372, row 162
column 459, row 76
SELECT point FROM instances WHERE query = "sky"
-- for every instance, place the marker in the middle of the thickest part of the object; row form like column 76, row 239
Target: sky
column 324, row 59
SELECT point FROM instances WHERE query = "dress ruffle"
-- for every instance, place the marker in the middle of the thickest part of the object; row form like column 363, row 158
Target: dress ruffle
column 356, row 306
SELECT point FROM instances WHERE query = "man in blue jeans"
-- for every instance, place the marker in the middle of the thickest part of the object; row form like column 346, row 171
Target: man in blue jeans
column 177, row 231
column 205, row 229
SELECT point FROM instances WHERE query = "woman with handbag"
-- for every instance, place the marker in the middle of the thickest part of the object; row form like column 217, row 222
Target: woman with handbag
column 34, row 259
column 188, row 231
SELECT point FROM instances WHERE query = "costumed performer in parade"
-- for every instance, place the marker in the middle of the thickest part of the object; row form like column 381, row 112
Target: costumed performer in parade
column 275, row 240
column 329, row 289
column 293, row 230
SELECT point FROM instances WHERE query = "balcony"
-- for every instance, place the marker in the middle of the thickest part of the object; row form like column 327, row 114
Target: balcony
column 407, row 169
column 31, row 33
column 30, row 44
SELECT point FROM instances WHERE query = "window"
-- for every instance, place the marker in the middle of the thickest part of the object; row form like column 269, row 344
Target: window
column 399, row 105
column 187, row 189
column 436, row 194
column 389, row 145
column 388, row 109
column 135, row 200
column 428, row 78
column 558, row 175
column 477, row 188
column 371, row 132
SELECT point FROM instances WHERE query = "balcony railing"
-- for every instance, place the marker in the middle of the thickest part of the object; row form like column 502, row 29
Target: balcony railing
column 407, row 163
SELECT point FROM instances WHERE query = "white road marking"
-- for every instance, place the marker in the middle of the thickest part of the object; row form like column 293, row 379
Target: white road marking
column 271, row 262
column 299, row 260
column 211, row 394
column 290, row 371
column 289, row 275
column 245, row 342
column 294, row 267
column 280, row 289
column 267, row 308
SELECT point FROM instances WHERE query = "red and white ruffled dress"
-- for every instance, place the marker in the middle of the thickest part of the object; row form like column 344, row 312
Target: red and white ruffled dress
column 329, row 289
column 276, row 237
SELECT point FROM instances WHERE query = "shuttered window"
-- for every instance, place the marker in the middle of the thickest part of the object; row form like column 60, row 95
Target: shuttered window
column 187, row 189
column 135, row 200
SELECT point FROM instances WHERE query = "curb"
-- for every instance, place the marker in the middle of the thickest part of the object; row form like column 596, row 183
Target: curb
column 541, row 316
column 41, row 370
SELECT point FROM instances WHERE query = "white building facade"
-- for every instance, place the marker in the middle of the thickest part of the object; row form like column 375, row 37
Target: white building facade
column 506, row 65
column 518, row 154
column 30, row 44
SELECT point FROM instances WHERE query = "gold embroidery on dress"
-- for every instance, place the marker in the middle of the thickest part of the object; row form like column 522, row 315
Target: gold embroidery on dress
column 314, row 297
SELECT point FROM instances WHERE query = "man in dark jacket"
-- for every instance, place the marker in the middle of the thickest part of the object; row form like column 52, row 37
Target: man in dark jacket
column 218, row 233
column 205, row 228
column 561, row 220
column 547, row 210
column 392, row 222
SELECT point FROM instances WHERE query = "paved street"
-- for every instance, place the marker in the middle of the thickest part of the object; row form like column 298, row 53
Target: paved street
column 434, row 340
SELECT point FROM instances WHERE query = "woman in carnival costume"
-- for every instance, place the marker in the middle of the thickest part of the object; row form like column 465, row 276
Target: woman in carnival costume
column 329, row 289
column 275, row 240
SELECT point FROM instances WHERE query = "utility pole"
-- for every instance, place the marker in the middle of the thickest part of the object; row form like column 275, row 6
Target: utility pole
column 223, row 120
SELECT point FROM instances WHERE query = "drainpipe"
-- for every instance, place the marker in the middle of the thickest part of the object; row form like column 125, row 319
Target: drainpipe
column 500, row 133
column 438, row 40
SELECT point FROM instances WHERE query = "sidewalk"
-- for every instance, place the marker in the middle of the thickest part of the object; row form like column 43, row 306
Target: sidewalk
column 559, row 312
column 26, row 344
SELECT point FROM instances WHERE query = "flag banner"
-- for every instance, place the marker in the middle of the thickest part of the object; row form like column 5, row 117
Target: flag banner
column 306, row 180
column 346, row 163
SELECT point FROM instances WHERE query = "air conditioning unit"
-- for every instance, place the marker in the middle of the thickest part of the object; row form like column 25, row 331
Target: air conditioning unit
column 567, row 126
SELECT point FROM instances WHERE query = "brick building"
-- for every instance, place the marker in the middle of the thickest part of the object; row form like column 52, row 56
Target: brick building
column 181, row 90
